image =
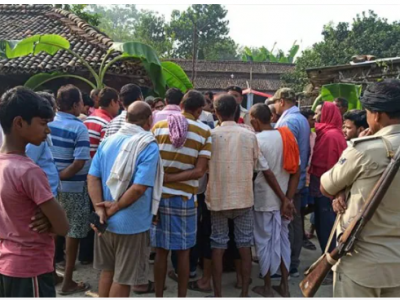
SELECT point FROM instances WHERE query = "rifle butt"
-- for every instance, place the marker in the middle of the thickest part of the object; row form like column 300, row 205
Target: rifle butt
column 315, row 276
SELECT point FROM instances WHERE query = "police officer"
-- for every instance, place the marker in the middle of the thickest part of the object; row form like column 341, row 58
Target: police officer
column 373, row 267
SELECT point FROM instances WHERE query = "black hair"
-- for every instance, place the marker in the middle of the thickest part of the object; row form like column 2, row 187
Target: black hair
column 150, row 102
column 94, row 92
column 193, row 100
column 107, row 95
column 235, row 89
column 23, row 102
column 261, row 112
column 209, row 94
column 343, row 102
column 67, row 96
column 87, row 101
column 49, row 98
column 174, row 96
column 130, row 93
column 237, row 113
column 226, row 106
column 358, row 117
column 307, row 113
column 156, row 100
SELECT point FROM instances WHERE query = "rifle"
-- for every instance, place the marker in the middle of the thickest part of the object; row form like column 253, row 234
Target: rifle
column 318, row 271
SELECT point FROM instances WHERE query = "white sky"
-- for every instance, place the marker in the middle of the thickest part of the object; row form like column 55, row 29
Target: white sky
column 263, row 25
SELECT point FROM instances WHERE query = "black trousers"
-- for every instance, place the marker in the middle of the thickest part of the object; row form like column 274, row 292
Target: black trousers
column 39, row 286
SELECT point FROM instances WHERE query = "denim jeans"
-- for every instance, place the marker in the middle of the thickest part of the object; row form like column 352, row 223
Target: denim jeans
column 324, row 221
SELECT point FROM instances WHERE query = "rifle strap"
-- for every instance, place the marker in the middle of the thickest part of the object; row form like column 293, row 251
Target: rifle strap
column 330, row 260
column 333, row 231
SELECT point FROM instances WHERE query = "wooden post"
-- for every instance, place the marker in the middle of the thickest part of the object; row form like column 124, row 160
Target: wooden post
column 194, row 51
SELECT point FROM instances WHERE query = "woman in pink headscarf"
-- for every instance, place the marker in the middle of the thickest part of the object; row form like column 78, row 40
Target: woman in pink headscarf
column 329, row 145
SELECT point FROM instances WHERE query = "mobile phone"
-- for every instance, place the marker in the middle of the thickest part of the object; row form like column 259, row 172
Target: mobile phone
column 95, row 220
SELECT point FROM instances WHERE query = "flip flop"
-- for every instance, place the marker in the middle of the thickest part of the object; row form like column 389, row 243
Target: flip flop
column 194, row 286
column 239, row 288
column 82, row 287
column 150, row 289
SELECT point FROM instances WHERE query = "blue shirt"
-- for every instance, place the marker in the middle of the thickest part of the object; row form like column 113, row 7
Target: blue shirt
column 137, row 217
column 300, row 128
column 70, row 139
column 41, row 155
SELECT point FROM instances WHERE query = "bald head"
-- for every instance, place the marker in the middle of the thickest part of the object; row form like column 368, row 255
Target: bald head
column 139, row 113
column 261, row 112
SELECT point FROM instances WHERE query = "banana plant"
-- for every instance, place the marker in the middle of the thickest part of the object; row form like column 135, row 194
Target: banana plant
column 262, row 54
column 162, row 74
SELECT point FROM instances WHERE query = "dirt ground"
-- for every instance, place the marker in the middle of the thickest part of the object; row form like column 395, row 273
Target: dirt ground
column 88, row 274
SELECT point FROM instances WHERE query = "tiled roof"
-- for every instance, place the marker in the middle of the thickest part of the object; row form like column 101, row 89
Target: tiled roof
column 217, row 75
column 21, row 21
column 235, row 66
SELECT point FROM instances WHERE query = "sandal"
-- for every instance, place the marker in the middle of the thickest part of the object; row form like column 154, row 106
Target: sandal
column 80, row 288
column 194, row 286
column 309, row 245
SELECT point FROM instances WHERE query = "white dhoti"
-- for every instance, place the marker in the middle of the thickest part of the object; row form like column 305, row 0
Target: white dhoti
column 271, row 235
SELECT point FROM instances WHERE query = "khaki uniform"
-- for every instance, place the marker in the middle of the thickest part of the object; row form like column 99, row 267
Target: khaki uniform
column 373, row 267
column 244, row 114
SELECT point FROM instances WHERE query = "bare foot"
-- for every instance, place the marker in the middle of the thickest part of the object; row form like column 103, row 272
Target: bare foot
column 281, row 290
column 263, row 291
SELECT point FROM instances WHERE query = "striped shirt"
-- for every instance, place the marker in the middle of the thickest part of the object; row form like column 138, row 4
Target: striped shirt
column 115, row 124
column 197, row 144
column 70, row 142
column 97, row 124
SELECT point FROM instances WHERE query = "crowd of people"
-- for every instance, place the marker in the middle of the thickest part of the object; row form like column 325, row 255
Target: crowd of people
column 127, row 180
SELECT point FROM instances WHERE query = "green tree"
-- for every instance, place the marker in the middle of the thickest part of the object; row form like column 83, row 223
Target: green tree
column 367, row 34
column 117, row 21
column 151, row 29
column 80, row 11
column 203, row 24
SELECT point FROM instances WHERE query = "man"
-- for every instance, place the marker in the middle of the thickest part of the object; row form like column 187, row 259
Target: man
column 342, row 104
column 273, row 211
column 71, row 152
column 354, row 123
column 97, row 124
column 122, row 251
column 173, row 98
column 230, row 189
column 185, row 145
column 98, row 121
column 237, row 93
column 371, row 269
column 88, row 103
column 129, row 93
column 285, row 105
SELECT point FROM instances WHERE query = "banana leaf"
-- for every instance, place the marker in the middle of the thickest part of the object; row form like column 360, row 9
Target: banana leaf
column 149, row 59
column 175, row 77
column 350, row 92
column 49, row 43
column 38, row 80
column 293, row 51
column 6, row 43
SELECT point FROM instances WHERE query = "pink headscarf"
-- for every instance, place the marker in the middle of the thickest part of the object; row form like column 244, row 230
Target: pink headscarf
column 330, row 142
column 178, row 129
